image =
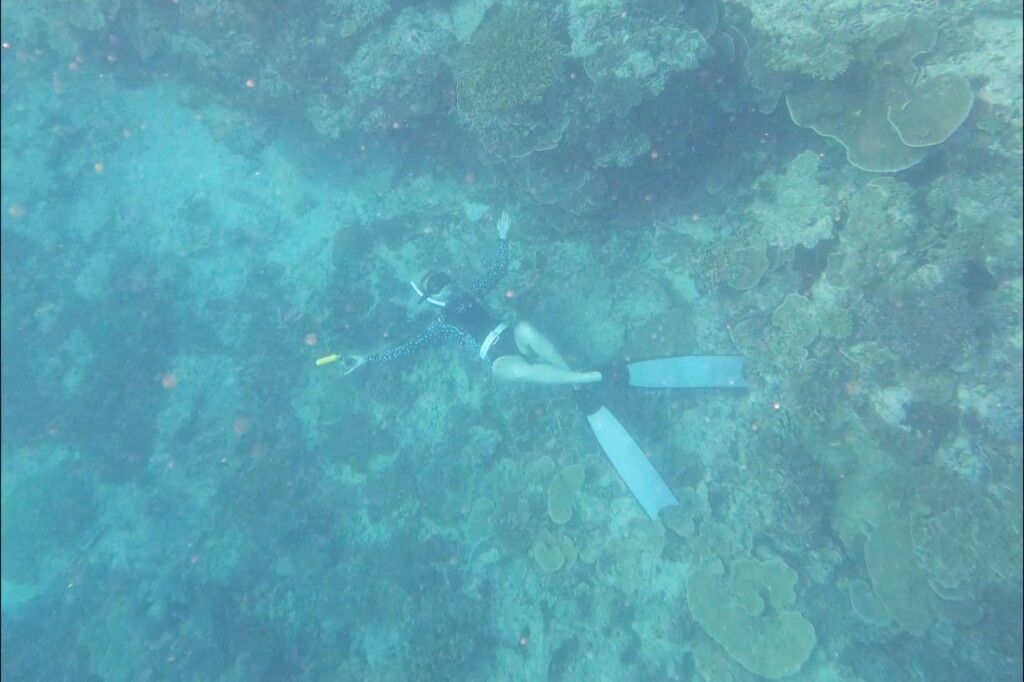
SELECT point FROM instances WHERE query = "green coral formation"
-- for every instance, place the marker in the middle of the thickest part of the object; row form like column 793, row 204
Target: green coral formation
column 747, row 607
column 682, row 518
column 934, row 109
column 548, row 552
column 793, row 208
column 512, row 59
column 794, row 326
column 796, row 321
column 562, row 491
column 746, row 267
column 541, row 467
column 881, row 111
column 836, row 323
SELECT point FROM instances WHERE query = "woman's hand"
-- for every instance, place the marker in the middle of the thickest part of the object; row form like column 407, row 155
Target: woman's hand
column 351, row 363
column 504, row 222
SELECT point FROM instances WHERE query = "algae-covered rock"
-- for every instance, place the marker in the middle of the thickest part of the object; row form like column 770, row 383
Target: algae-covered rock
column 562, row 491
column 899, row 578
column 747, row 607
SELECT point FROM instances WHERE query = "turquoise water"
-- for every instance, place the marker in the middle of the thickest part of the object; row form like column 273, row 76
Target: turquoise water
column 200, row 199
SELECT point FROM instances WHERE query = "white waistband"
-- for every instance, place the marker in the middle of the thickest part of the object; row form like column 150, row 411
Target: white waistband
column 492, row 337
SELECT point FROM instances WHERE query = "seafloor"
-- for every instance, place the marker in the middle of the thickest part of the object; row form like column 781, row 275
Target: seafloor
column 200, row 198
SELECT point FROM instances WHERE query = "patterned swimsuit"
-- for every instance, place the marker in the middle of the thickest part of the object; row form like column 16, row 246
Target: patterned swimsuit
column 464, row 320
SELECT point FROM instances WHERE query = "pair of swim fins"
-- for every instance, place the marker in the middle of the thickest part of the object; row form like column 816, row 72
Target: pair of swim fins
column 629, row 460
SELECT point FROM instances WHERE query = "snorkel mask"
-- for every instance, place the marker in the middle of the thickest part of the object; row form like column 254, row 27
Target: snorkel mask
column 433, row 284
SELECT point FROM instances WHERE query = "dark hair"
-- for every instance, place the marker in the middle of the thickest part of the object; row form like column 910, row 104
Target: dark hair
column 434, row 283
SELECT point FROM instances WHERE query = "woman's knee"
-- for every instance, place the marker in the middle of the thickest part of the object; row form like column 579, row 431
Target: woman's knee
column 509, row 368
column 525, row 336
column 524, row 330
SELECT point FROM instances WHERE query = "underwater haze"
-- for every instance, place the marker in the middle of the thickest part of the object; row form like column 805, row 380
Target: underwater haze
column 237, row 445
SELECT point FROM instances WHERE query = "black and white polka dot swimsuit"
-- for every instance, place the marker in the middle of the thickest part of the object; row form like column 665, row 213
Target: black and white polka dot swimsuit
column 464, row 320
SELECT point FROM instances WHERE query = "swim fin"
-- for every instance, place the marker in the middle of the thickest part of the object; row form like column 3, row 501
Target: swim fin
column 690, row 371
column 631, row 463
column 629, row 460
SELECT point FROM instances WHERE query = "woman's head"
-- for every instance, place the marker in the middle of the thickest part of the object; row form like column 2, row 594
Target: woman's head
column 436, row 285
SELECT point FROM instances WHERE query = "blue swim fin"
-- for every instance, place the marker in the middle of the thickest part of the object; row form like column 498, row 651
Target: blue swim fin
column 633, row 466
column 629, row 460
column 692, row 371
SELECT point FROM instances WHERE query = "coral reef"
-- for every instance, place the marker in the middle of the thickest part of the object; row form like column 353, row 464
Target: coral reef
column 880, row 112
column 511, row 59
column 201, row 199
column 630, row 52
column 794, row 208
column 747, row 607
column 561, row 491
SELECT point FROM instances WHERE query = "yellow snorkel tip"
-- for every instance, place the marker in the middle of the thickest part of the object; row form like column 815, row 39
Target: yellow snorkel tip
column 327, row 359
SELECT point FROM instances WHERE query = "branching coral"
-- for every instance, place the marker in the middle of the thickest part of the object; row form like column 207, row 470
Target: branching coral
column 924, row 328
column 512, row 59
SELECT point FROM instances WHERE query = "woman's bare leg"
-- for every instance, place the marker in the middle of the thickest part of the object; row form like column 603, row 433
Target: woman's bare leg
column 519, row 369
column 532, row 343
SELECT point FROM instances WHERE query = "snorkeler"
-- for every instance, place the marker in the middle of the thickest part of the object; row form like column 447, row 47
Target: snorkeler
column 523, row 354
column 516, row 352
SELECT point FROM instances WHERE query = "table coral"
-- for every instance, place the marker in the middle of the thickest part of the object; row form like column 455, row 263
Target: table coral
column 746, row 267
column 747, row 607
column 562, row 491
column 879, row 111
